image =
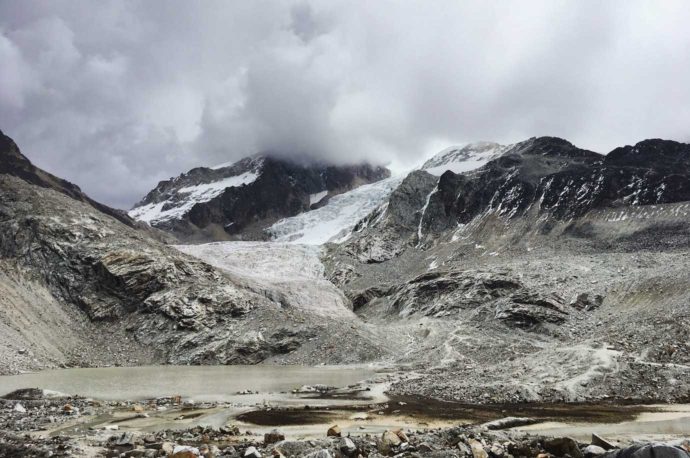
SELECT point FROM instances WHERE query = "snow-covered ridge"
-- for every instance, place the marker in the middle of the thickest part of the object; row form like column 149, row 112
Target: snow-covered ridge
column 337, row 218
column 187, row 197
column 179, row 201
column 460, row 159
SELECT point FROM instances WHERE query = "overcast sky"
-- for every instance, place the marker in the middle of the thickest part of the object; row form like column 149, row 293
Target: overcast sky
column 117, row 95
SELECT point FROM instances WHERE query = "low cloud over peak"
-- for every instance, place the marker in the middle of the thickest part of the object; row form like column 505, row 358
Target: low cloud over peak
column 116, row 96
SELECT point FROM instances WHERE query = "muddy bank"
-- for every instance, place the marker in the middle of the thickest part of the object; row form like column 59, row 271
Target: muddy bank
column 429, row 411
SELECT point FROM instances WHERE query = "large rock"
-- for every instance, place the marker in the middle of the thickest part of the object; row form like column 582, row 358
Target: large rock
column 477, row 449
column 561, row 446
column 593, row 451
column 603, row 443
column 583, row 301
column 334, row 431
column 273, row 437
column 319, row 454
column 347, row 447
column 251, row 452
column 389, row 441
column 649, row 451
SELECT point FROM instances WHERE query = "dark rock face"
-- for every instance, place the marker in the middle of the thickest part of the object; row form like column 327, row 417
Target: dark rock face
column 13, row 162
column 551, row 176
column 280, row 189
column 394, row 222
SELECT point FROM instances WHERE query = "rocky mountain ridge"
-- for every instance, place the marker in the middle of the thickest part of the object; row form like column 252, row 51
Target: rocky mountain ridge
column 546, row 177
column 548, row 257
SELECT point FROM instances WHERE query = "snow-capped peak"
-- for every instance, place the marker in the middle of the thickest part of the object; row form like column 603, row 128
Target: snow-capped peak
column 174, row 198
column 459, row 159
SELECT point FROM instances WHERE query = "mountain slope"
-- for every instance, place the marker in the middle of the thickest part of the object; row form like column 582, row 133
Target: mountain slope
column 241, row 200
column 550, row 273
column 12, row 162
column 335, row 220
column 545, row 176
column 78, row 286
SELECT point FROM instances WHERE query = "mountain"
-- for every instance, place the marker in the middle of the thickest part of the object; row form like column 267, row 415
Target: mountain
column 545, row 177
column 12, row 162
column 79, row 286
column 549, row 273
column 537, row 271
column 334, row 221
column 241, row 200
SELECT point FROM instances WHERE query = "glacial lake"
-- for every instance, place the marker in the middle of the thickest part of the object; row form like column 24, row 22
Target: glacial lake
column 200, row 383
column 273, row 385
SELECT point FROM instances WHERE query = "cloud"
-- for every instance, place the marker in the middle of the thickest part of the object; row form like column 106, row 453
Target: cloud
column 116, row 96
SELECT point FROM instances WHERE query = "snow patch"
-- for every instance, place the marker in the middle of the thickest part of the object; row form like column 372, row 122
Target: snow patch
column 461, row 159
column 421, row 218
column 316, row 198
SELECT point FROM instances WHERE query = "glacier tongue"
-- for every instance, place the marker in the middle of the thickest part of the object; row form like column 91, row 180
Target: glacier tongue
column 335, row 219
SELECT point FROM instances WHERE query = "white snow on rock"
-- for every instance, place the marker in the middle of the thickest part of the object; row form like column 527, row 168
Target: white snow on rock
column 460, row 159
column 335, row 219
column 318, row 197
column 188, row 197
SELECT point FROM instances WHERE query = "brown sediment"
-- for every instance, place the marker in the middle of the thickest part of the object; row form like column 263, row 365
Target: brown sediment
column 428, row 410
column 287, row 417
column 431, row 408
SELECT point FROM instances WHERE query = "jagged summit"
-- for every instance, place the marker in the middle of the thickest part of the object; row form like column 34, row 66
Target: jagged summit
column 552, row 147
column 242, row 199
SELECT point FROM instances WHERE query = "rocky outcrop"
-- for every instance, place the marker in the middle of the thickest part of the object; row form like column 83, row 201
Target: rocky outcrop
column 242, row 200
column 470, row 294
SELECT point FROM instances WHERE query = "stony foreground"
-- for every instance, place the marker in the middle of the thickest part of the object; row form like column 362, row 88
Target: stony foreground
column 476, row 442
column 36, row 423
